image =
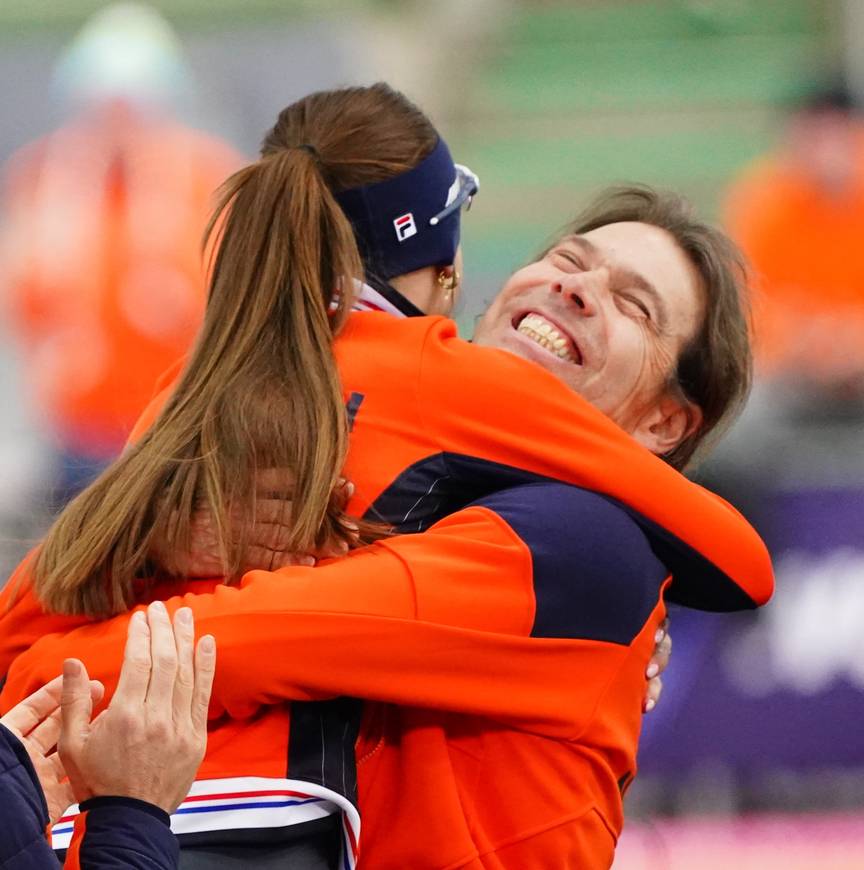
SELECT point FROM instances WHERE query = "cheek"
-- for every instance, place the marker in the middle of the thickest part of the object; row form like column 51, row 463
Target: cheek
column 656, row 361
column 641, row 362
column 498, row 315
column 661, row 356
column 629, row 345
column 518, row 284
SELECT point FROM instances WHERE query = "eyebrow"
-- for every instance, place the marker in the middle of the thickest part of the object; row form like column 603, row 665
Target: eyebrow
column 629, row 275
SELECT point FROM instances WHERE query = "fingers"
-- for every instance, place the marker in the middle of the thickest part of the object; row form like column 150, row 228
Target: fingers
column 184, row 683
column 350, row 526
column 57, row 768
column 76, row 703
column 24, row 717
column 75, row 690
column 333, row 549
column 661, row 655
column 275, row 482
column 163, row 658
column 658, row 663
column 278, row 483
column 270, row 536
column 274, row 514
column 135, row 671
column 343, row 492
column 204, row 556
column 263, row 559
column 205, row 669
column 43, row 738
column 652, row 696
column 286, row 560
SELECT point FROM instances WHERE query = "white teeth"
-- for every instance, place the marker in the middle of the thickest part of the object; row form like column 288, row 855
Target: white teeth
column 541, row 332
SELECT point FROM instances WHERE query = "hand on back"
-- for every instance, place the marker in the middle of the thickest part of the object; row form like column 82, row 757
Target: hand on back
column 658, row 663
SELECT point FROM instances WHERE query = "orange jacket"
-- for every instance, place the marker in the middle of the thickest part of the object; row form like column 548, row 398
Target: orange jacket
column 437, row 422
column 809, row 287
column 101, row 266
column 445, row 621
column 456, row 620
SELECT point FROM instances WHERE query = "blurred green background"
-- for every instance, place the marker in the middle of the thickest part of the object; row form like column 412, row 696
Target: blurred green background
column 546, row 101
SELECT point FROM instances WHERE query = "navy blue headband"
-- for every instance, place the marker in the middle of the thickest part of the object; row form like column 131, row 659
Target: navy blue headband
column 409, row 222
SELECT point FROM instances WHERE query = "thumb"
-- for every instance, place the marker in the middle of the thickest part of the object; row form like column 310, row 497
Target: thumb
column 76, row 703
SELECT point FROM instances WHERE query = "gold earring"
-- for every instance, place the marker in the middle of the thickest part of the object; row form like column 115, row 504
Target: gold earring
column 448, row 282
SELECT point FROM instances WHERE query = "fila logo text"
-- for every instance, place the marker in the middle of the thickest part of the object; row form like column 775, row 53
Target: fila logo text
column 405, row 226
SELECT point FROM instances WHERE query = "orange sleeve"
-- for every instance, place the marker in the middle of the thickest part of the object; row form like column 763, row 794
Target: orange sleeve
column 439, row 620
column 561, row 436
column 22, row 619
column 464, row 403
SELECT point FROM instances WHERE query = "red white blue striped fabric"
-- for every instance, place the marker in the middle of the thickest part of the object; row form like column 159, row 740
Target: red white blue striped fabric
column 371, row 300
column 237, row 803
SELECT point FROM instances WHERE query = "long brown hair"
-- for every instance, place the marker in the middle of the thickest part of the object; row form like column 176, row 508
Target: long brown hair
column 715, row 369
column 261, row 388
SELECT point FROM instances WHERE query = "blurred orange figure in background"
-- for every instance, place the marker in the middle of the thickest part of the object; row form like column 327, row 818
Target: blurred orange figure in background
column 100, row 257
column 798, row 214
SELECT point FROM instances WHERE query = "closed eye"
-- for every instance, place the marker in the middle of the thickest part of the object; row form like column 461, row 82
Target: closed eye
column 634, row 303
column 570, row 258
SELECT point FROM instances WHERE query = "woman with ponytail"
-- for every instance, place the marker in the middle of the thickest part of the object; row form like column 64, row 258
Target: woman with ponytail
column 434, row 622
column 261, row 388
column 259, row 391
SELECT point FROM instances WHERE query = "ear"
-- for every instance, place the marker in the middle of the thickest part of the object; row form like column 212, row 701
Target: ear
column 667, row 424
column 448, row 280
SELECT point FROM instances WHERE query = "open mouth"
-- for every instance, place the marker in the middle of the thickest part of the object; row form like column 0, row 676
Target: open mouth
column 549, row 336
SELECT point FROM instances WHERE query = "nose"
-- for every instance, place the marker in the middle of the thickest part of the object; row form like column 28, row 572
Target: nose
column 580, row 291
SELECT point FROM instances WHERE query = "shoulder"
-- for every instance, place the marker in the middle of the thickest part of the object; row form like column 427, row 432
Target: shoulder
column 374, row 324
column 594, row 571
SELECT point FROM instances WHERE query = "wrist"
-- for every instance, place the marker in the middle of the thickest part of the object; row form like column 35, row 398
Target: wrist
column 117, row 801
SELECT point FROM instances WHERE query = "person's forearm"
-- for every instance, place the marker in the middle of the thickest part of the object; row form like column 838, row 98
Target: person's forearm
column 270, row 657
column 451, row 632
column 112, row 833
column 565, row 438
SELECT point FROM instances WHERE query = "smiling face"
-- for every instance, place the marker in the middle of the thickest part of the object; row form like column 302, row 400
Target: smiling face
column 608, row 312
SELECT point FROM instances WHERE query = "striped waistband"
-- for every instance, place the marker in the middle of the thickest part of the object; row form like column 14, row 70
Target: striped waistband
column 244, row 802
